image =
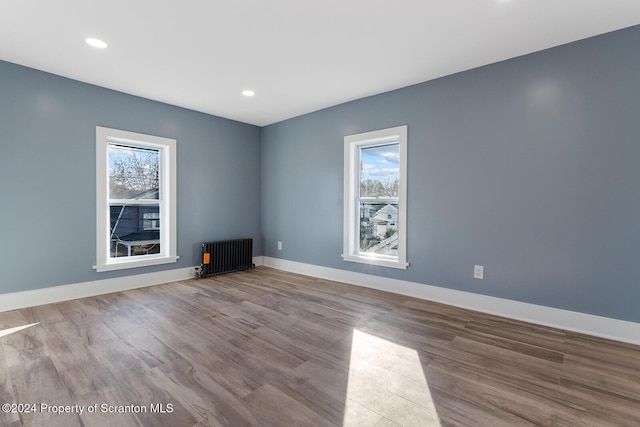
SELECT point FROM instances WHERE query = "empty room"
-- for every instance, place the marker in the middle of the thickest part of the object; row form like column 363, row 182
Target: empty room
column 292, row 213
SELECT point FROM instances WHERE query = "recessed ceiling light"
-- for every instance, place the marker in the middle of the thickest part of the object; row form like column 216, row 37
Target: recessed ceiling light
column 248, row 93
column 95, row 43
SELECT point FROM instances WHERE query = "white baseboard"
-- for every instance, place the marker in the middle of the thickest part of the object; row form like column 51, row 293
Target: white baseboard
column 604, row 327
column 31, row 298
column 34, row 297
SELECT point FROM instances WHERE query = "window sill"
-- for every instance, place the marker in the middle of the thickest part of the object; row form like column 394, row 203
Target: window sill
column 125, row 263
column 376, row 261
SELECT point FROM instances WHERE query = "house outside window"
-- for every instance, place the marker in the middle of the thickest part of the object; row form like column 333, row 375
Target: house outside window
column 375, row 198
column 135, row 187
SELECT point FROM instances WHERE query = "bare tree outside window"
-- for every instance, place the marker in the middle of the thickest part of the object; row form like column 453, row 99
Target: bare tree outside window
column 133, row 173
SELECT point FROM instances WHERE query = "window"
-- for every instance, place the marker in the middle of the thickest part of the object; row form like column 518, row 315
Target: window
column 151, row 220
column 136, row 199
column 375, row 197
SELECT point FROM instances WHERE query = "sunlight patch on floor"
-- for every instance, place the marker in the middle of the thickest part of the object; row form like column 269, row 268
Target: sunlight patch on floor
column 5, row 332
column 386, row 385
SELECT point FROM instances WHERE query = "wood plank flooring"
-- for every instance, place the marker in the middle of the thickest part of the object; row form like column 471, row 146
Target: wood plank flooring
column 269, row 348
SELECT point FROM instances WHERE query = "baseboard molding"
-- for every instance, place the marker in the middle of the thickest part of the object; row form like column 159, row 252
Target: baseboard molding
column 32, row 298
column 603, row 327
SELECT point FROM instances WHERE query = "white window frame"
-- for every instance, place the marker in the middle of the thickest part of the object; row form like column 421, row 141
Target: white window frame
column 167, row 199
column 351, row 244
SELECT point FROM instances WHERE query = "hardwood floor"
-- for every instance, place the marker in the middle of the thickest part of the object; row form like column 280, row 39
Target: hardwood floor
column 268, row 348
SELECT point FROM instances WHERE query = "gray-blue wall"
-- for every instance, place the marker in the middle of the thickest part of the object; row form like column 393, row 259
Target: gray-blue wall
column 530, row 167
column 47, row 176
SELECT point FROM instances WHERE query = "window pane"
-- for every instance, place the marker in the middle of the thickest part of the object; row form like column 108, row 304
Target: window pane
column 379, row 171
column 379, row 179
column 130, row 235
column 133, row 173
column 379, row 228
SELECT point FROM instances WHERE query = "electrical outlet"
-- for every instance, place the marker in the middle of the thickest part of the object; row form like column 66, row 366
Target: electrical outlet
column 279, row 245
column 478, row 272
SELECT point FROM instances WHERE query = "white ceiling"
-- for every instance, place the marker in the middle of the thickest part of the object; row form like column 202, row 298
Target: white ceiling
column 297, row 55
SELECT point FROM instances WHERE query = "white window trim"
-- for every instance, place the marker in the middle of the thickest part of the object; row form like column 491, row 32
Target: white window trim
column 352, row 146
column 168, row 241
